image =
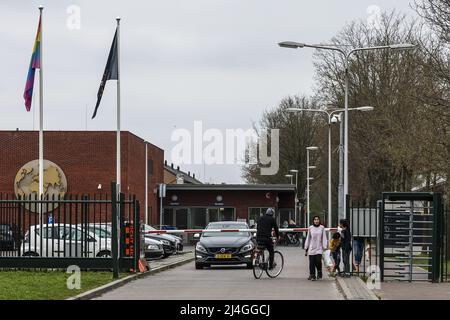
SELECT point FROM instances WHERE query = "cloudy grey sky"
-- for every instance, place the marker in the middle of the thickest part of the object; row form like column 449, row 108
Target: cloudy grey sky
column 182, row 60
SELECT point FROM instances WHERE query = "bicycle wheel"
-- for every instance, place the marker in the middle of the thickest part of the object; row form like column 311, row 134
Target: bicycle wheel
column 258, row 265
column 278, row 261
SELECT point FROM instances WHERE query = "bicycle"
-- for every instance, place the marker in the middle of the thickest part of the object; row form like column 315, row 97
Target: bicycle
column 261, row 263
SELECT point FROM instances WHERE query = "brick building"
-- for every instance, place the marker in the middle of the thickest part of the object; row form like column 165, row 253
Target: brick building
column 88, row 160
column 192, row 206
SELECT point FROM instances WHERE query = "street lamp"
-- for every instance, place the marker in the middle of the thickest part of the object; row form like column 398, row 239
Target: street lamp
column 332, row 118
column 289, row 176
column 308, row 178
column 346, row 55
column 296, row 192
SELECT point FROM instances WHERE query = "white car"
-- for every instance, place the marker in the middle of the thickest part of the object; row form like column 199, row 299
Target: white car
column 59, row 240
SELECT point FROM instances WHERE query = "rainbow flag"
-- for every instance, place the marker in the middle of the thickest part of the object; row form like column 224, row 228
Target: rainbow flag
column 35, row 63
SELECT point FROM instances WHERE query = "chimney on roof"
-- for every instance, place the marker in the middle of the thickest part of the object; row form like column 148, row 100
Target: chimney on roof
column 165, row 162
column 171, row 165
column 193, row 175
column 189, row 173
column 178, row 168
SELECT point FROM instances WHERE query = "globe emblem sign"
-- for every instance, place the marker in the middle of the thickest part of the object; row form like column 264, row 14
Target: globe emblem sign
column 26, row 184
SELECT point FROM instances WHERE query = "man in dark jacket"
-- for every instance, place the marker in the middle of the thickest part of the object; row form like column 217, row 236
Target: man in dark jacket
column 264, row 233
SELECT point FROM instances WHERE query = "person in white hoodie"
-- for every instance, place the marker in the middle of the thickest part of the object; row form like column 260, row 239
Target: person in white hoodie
column 316, row 243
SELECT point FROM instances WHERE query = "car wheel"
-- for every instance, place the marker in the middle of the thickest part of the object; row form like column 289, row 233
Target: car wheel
column 198, row 266
column 30, row 254
column 104, row 254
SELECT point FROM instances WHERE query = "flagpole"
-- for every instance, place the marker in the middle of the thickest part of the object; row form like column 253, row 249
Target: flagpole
column 118, row 107
column 41, row 120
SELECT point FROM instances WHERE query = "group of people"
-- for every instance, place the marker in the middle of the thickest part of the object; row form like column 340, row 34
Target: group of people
column 340, row 245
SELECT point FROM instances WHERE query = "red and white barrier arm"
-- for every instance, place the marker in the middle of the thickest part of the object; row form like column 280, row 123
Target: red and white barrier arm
column 188, row 231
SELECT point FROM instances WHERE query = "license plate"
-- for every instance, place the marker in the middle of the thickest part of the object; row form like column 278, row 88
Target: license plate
column 223, row 256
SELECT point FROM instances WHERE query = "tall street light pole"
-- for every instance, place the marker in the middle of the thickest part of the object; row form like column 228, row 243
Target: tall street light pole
column 308, row 178
column 331, row 119
column 346, row 56
column 296, row 193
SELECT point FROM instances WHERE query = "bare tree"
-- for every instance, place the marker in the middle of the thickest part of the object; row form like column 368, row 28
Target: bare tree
column 390, row 147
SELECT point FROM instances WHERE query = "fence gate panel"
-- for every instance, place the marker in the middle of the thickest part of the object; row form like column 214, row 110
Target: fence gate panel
column 56, row 232
column 410, row 236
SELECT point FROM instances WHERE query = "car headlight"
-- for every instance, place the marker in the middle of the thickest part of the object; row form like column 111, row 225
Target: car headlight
column 200, row 248
column 166, row 242
column 249, row 246
column 152, row 247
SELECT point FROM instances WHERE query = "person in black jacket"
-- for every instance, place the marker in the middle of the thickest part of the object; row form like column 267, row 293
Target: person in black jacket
column 264, row 233
column 346, row 245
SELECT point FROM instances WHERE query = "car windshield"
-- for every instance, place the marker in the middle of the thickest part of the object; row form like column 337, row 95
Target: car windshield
column 148, row 228
column 102, row 232
column 226, row 226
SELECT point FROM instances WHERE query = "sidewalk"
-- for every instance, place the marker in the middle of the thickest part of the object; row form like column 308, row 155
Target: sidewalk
column 414, row 291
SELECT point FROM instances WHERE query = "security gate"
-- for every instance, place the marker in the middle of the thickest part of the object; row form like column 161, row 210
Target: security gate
column 410, row 236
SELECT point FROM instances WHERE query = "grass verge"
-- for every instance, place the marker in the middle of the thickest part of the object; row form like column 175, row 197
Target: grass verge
column 47, row 285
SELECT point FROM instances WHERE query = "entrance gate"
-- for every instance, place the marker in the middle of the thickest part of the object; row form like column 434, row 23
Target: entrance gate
column 410, row 236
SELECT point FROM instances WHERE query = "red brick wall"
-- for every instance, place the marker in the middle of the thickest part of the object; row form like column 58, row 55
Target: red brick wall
column 88, row 158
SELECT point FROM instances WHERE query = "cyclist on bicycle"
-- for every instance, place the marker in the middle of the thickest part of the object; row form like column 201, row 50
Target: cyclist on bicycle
column 264, row 233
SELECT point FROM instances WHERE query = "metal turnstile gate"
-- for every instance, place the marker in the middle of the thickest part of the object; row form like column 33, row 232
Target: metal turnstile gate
column 410, row 236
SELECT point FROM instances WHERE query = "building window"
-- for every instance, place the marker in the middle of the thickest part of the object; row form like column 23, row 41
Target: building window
column 150, row 167
column 254, row 214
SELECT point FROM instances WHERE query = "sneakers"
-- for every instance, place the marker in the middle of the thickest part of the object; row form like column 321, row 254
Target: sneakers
column 273, row 266
column 319, row 276
column 312, row 278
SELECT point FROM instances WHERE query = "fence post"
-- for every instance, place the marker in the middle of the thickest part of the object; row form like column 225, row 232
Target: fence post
column 121, row 222
column 114, row 235
column 437, row 212
column 381, row 237
column 137, row 235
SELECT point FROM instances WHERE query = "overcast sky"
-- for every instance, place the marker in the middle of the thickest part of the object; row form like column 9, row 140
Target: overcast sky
column 181, row 60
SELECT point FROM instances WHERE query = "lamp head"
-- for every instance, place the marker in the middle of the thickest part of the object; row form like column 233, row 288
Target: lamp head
column 291, row 44
column 402, row 46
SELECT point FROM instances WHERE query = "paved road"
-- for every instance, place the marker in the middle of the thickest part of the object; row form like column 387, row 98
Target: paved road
column 185, row 282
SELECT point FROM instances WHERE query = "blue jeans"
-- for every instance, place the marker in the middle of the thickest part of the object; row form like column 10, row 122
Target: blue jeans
column 358, row 249
column 336, row 255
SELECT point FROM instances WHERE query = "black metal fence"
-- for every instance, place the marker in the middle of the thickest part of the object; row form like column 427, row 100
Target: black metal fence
column 98, row 232
column 379, row 241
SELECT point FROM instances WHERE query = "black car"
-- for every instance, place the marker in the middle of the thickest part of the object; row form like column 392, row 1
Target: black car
column 169, row 243
column 224, row 248
column 7, row 237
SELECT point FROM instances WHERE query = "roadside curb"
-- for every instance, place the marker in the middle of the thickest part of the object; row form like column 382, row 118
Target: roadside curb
column 355, row 289
column 118, row 283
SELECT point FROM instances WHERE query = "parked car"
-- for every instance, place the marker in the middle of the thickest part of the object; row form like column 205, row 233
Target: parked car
column 224, row 248
column 59, row 240
column 169, row 241
column 152, row 248
column 178, row 237
column 7, row 237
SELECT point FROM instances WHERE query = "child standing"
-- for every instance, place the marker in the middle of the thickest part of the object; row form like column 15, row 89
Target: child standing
column 335, row 248
column 346, row 246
